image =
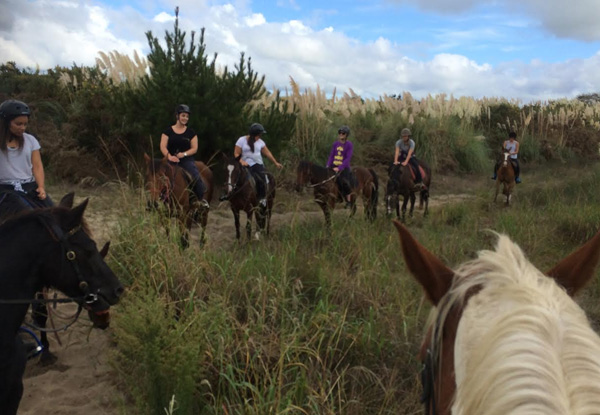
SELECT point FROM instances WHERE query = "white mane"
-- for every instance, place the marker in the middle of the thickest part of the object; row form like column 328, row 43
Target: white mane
column 523, row 346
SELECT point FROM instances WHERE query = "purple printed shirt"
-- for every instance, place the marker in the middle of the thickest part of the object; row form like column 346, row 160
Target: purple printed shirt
column 340, row 156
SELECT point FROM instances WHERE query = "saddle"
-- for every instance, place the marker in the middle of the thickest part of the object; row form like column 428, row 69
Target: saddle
column 12, row 202
column 412, row 171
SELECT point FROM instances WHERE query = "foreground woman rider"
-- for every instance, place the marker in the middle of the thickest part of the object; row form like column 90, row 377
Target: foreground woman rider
column 21, row 167
column 179, row 143
column 251, row 148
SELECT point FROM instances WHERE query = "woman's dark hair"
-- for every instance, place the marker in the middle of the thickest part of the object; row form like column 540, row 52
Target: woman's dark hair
column 255, row 130
column 6, row 136
column 512, row 134
column 9, row 110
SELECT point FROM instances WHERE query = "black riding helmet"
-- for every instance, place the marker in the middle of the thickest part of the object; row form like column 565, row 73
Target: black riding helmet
column 183, row 108
column 344, row 129
column 12, row 108
column 256, row 129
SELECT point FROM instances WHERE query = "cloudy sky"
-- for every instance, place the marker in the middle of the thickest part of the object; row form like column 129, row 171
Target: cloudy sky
column 516, row 49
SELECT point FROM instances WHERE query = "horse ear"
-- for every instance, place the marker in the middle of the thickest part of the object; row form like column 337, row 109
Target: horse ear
column 427, row 269
column 574, row 271
column 238, row 158
column 67, row 200
column 104, row 250
column 147, row 158
column 75, row 215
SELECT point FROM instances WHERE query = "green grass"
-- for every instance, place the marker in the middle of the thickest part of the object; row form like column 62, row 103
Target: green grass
column 309, row 322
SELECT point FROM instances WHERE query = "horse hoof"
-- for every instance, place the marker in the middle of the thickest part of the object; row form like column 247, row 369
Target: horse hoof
column 47, row 358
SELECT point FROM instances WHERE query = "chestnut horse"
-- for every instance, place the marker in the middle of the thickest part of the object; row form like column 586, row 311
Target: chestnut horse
column 169, row 186
column 401, row 183
column 505, row 176
column 322, row 181
column 505, row 338
column 241, row 194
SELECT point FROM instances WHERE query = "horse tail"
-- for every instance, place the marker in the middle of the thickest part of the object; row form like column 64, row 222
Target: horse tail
column 374, row 194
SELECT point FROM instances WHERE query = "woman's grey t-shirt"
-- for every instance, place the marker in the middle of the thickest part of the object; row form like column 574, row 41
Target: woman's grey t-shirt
column 15, row 163
column 405, row 147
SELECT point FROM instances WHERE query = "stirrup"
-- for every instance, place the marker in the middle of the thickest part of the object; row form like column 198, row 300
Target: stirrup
column 223, row 198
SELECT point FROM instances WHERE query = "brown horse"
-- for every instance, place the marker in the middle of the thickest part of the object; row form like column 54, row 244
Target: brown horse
column 503, row 337
column 506, row 177
column 326, row 192
column 169, row 185
column 401, row 183
column 241, row 194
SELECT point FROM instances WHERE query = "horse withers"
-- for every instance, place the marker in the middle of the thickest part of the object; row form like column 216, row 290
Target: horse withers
column 505, row 338
column 505, row 176
column 401, row 183
column 170, row 187
column 240, row 191
column 46, row 248
column 326, row 192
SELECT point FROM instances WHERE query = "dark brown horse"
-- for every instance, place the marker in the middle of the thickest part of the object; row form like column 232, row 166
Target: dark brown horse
column 322, row 181
column 46, row 248
column 169, row 186
column 401, row 183
column 503, row 337
column 241, row 194
column 505, row 175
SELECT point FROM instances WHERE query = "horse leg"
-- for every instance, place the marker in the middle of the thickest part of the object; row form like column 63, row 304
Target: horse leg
column 497, row 189
column 261, row 217
column 236, row 220
column 11, row 384
column 185, row 224
column 353, row 205
column 425, row 198
column 249, row 224
column 404, row 204
column 413, row 198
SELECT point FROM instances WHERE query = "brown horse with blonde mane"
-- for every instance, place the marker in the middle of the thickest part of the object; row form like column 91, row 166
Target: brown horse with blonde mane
column 506, row 177
column 326, row 192
column 169, row 186
column 505, row 338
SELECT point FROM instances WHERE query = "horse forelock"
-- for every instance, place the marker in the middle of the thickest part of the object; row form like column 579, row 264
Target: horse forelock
column 522, row 344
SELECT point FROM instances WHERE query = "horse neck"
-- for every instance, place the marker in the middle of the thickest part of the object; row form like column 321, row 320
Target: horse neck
column 21, row 263
column 318, row 173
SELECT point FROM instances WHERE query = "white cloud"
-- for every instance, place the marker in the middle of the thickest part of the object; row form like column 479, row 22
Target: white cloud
column 163, row 17
column 576, row 20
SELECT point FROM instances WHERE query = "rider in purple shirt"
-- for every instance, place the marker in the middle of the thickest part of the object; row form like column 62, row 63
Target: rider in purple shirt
column 339, row 160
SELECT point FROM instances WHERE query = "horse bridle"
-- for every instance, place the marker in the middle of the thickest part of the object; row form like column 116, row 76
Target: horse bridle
column 88, row 298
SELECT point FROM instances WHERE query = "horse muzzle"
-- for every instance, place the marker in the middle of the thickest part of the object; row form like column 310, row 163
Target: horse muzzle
column 100, row 319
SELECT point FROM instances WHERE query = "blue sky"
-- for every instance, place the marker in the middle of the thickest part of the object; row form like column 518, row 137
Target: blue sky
column 517, row 49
